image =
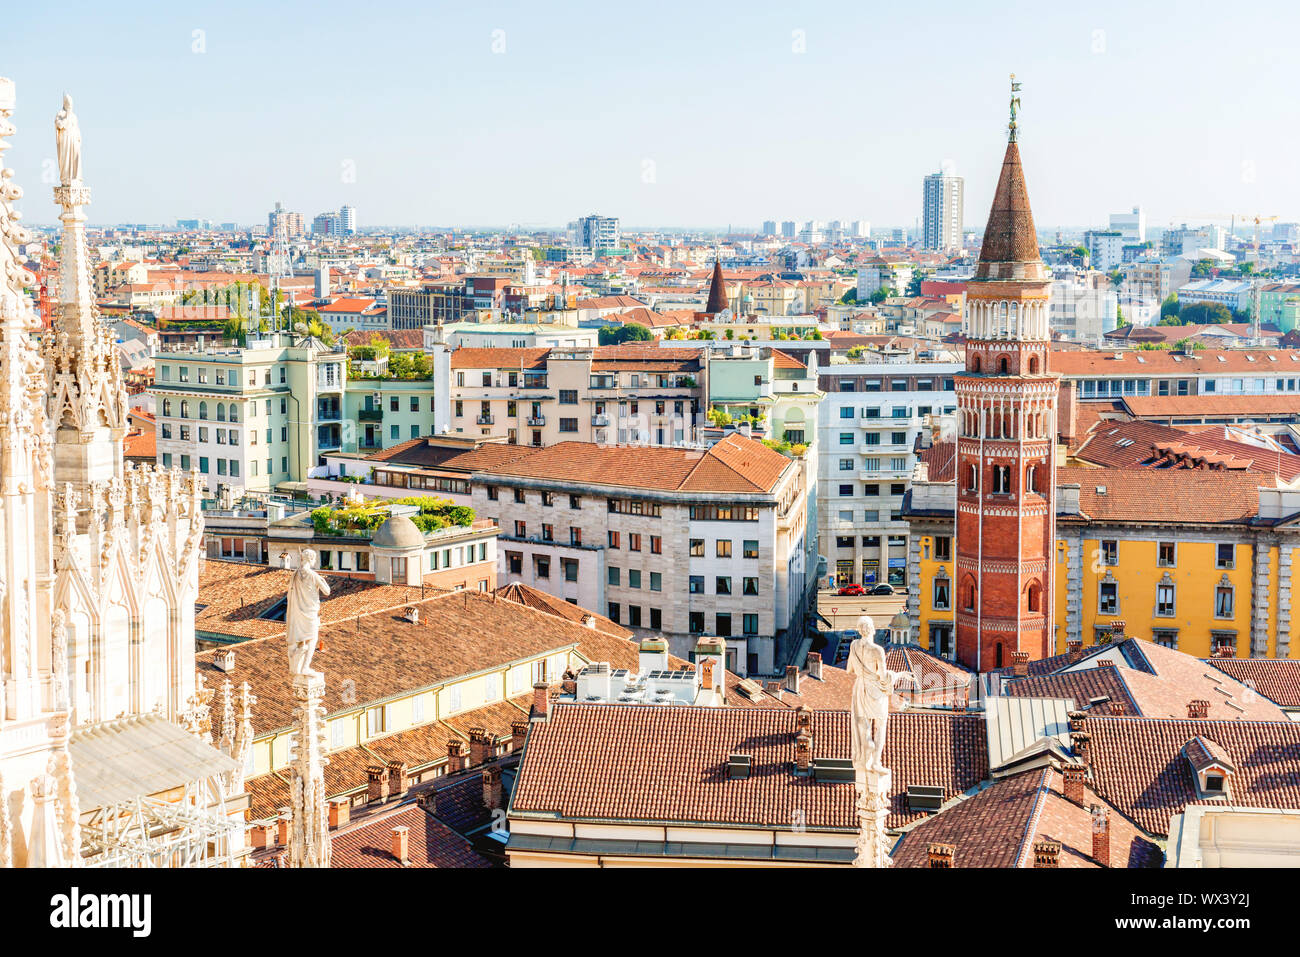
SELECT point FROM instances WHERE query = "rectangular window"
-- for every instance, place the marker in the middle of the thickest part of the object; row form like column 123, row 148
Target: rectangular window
column 570, row 567
column 750, row 586
column 722, row 621
column 656, row 581
column 1225, row 555
column 613, row 540
column 723, row 548
column 1108, row 599
column 942, row 548
column 942, row 594
column 568, row 425
column 722, row 585
column 1223, row 602
column 751, row 548
column 614, row 575
column 1166, row 554
column 697, row 548
column 634, row 542
column 1164, row 601
column 697, row 585
column 1110, row 552
column 542, row 564
column 633, row 578
column 569, row 397
column 656, row 545
column 656, row 619
column 749, row 623
column 697, row 622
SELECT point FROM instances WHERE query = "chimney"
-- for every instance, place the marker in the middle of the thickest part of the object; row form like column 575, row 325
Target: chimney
column 792, row 679
column 803, row 719
column 706, row 673
column 413, row 615
column 224, row 660
column 1068, row 416
column 1076, row 720
column 259, row 835
column 815, row 665
column 803, row 751
column 1047, row 853
column 340, row 812
column 480, row 747
column 455, row 755
column 589, row 621
column 1198, row 708
column 1117, row 708
column 377, row 783
column 428, row 800
column 541, row 697
column 518, row 734
column 282, row 828
column 1074, row 648
column 398, row 782
column 1019, row 663
column 401, row 845
column 1100, row 835
column 1080, row 742
column 1073, row 776
column 1105, row 663
column 940, row 855
column 775, row 688
column 492, row 788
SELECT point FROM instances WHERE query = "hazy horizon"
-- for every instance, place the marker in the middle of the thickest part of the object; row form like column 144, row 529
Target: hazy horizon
column 731, row 114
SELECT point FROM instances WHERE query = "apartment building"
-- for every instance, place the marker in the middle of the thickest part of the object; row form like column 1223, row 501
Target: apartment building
column 868, row 425
column 634, row 393
column 257, row 417
column 681, row 542
column 384, row 412
column 1112, row 375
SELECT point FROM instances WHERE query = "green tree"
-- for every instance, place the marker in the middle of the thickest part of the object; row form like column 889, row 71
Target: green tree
column 612, row 335
column 1205, row 313
column 1169, row 307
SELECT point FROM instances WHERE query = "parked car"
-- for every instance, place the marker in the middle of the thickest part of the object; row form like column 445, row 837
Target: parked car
column 852, row 590
column 881, row 589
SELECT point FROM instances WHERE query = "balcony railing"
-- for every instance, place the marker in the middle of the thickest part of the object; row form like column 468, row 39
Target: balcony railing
column 371, row 415
column 485, row 419
column 600, row 420
column 536, row 421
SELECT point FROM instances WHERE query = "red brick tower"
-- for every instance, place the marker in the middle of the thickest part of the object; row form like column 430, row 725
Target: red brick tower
column 1006, row 468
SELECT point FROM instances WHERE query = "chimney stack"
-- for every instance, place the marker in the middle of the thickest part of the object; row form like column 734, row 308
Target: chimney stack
column 1047, row 853
column 1081, row 743
column 1020, row 663
column 541, row 697
column 940, row 855
column 1198, row 708
column 706, row 673
column 1105, row 663
column 1117, row 708
column 792, row 679
column 1074, row 648
column 815, row 665
column 340, row 812
column 455, row 755
column 1100, row 835
column 377, row 783
column 282, row 827
column 401, row 845
column 428, row 800
column 259, row 835
column 492, row 788
column 1076, row 720
column 398, row 781
column 518, row 734
column 1073, row 776
column 480, row 747
column 803, row 751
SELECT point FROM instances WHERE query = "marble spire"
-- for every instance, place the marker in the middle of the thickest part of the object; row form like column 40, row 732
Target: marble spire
column 87, row 394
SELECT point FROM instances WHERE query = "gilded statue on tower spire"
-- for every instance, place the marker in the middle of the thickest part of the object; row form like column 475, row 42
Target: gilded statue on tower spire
column 1015, row 107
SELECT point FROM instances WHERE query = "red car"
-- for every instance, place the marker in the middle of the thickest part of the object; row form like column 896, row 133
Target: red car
column 852, row 590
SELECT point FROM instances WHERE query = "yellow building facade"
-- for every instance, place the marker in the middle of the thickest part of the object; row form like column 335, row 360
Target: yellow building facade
column 1161, row 571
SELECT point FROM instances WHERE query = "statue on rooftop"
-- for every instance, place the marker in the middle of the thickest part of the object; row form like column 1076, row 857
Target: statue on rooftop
column 872, row 687
column 302, row 618
column 68, row 136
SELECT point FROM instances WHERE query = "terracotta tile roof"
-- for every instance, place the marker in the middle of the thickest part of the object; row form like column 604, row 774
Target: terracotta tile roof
column 1183, row 496
column 932, row 681
column 941, row 460
column 782, row 360
column 1164, row 406
column 1128, row 363
column 430, row 843
column 1009, row 235
column 668, row 764
column 383, row 654
column 141, row 445
column 234, row 596
column 998, row 828
column 1083, row 687
column 1142, row 444
column 1139, row 767
column 937, row 748
column 534, row 598
column 499, row 358
column 735, row 464
column 349, row 305
column 1277, row 679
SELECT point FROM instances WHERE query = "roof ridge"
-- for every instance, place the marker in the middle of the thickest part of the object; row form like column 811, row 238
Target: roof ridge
column 1035, row 814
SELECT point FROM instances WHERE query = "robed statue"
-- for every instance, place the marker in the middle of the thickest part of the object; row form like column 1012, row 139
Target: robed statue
column 872, row 688
column 302, row 618
column 68, row 136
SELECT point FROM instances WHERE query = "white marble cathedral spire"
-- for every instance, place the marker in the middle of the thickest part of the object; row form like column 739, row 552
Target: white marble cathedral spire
column 87, row 395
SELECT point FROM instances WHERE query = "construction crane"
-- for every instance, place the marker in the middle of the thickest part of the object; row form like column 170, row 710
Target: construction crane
column 1232, row 218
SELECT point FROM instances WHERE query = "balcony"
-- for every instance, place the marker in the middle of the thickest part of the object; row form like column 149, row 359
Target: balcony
column 371, row 415
column 600, row 421
column 485, row 419
column 536, row 421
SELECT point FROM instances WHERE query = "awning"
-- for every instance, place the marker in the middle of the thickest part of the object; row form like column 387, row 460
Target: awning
column 118, row 761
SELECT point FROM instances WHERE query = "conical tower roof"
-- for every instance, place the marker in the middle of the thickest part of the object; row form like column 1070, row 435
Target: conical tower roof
column 717, row 290
column 1009, row 237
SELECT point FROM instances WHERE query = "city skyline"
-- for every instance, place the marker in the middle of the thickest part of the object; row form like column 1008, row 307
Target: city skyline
column 530, row 127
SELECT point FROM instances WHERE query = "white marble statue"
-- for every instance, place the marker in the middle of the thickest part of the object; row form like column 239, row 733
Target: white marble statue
column 302, row 619
column 872, row 688
column 68, row 135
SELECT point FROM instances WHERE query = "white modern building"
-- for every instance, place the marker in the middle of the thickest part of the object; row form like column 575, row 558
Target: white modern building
column 868, row 425
column 1132, row 226
column 942, row 211
column 1105, row 248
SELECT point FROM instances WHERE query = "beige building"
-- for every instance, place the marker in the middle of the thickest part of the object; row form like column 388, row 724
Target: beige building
column 681, row 542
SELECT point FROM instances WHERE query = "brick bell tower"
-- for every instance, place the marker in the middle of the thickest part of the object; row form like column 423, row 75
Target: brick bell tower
column 1006, row 423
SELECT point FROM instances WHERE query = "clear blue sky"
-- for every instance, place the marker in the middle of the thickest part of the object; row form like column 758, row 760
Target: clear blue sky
column 1188, row 108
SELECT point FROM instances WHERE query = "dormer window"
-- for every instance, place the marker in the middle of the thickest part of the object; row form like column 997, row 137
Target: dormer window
column 1212, row 768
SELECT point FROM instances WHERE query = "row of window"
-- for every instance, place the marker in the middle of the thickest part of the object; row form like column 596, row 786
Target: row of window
column 722, row 548
column 722, row 585
column 224, row 466
column 1225, row 554
column 875, row 438
column 223, row 436
column 895, row 385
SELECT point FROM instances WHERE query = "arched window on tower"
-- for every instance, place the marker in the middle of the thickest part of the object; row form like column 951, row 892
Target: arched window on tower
column 1033, row 365
column 973, row 477
column 1002, row 479
column 968, row 594
column 1031, row 478
column 1034, row 596
column 975, row 364
column 1004, row 365
column 997, row 655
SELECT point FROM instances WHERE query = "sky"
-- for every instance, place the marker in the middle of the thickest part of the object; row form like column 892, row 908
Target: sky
column 704, row 115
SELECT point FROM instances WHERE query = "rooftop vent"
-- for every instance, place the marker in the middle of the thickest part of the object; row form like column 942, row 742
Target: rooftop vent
column 739, row 765
column 224, row 661
column 413, row 615
column 1101, row 490
column 832, row 769
column 924, row 797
